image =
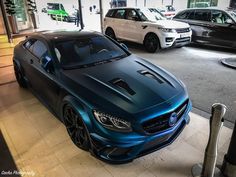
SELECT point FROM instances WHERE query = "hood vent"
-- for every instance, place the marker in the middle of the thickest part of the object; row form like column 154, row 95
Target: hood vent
column 122, row 84
column 150, row 75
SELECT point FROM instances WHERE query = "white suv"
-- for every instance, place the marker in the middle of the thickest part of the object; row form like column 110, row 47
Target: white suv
column 142, row 26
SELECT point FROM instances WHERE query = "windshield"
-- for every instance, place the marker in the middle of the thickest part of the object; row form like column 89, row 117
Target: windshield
column 233, row 15
column 78, row 53
column 52, row 6
column 150, row 15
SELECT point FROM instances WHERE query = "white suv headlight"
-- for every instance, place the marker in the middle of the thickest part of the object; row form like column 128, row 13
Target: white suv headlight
column 112, row 122
column 168, row 30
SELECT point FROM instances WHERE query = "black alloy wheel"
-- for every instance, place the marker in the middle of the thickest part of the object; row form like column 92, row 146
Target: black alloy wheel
column 19, row 77
column 151, row 43
column 109, row 32
column 76, row 128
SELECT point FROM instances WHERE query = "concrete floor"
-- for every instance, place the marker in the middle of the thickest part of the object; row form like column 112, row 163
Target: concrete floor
column 40, row 145
column 207, row 80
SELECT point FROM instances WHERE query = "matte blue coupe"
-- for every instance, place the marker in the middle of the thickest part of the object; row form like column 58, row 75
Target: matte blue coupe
column 113, row 103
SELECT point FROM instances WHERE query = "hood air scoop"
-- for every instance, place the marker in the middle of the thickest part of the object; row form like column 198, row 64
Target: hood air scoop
column 150, row 75
column 155, row 76
column 122, row 84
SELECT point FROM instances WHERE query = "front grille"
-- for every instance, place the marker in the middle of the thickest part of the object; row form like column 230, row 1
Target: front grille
column 182, row 40
column 161, row 123
column 182, row 30
column 161, row 142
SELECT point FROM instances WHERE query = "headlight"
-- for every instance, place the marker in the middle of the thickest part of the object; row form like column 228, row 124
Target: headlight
column 112, row 122
column 168, row 30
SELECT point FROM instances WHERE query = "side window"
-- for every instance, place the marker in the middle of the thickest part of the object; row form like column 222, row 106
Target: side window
column 131, row 14
column 219, row 17
column 120, row 13
column 202, row 15
column 29, row 43
column 39, row 49
column 183, row 15
column 110, row 13
column 191, row 15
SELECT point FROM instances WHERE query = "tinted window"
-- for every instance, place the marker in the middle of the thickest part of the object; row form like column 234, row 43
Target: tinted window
column 131, row 14
column 29, row 43
column 81, row 52
column 191, row 15
column 141, row 14
column 219, row 17
column 52, row 6
column 110, row 13
column 183, row 15
column 233, row 14
column 120, row 14
column 39, row 49
column 202, row 15
column 62, row 7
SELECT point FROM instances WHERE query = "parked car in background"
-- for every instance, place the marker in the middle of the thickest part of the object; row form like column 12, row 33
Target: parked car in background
column 113, row 103
column 144, row 27
column 211, row 26
column 156, row 11
column 168, row 11
column 58, row 12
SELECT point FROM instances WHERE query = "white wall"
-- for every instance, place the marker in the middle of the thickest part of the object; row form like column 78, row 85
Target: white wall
column 180, row 5
column 223, row 4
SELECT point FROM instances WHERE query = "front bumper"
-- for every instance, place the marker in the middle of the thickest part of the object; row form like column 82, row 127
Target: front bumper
column 136, row 145
column 175, row 39
column 71, row 18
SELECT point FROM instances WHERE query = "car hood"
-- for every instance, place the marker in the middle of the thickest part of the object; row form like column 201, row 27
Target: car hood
column 172, row 24
column 131, row 84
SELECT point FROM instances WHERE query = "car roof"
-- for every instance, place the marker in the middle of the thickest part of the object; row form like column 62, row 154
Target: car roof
column 65, row 35
column 130, row 8
column 205, row 8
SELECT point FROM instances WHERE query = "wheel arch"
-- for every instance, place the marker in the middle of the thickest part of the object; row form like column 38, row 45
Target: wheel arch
column 78, row 106
column 151, row 32
column 20, row 67
column 109, row 27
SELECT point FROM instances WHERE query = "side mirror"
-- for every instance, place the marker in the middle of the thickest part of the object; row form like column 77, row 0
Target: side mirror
column 124, row 46
column 46, row 63
column 229, row 21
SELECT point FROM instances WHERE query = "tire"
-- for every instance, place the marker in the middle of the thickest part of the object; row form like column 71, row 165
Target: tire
column 76, row 128
column 19, row 77
column 109, row 32
column 66, row 19
column 151, row 43
column 52, row 17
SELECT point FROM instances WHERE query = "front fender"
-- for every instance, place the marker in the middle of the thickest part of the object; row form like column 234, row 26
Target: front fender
column 82, row 109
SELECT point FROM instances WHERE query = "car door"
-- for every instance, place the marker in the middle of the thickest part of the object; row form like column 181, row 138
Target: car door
column 43, row 81
column 133, row 26
column 201, row 25
column 222, row 33
column 118, row 23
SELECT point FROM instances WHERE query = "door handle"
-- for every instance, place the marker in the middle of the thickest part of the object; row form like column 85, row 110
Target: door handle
column 31, row 61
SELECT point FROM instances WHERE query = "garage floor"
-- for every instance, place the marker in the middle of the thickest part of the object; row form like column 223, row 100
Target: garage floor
column 40, row 145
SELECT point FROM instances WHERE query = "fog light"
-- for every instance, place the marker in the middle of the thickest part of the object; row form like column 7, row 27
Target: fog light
column 169, row 39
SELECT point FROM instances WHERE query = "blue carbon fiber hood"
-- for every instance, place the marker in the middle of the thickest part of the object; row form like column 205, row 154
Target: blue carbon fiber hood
column 130, row 84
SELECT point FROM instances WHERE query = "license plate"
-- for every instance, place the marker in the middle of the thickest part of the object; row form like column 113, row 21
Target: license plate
column 184, row 35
